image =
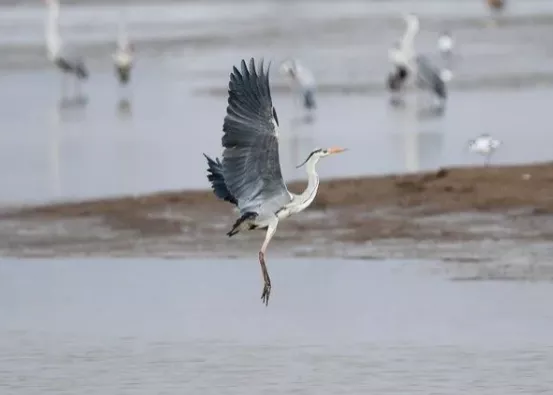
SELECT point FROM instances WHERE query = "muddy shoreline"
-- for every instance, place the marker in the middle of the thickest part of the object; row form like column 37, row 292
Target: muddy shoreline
column 493, row 222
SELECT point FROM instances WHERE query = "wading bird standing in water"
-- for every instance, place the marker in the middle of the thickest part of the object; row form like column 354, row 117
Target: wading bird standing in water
column 302, row 79
column 401, row 55
column 68, row 64
column 123, row 56
column 407, row 64
column 249, row 175
column 484, row 145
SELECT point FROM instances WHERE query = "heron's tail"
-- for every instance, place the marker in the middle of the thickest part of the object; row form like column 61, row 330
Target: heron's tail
column 238, row 225
column 441, row 90
column 81, row 71
column 217, row 180
column 309, row 99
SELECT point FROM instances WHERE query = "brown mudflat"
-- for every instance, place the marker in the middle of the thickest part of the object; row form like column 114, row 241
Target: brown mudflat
column 496, row 213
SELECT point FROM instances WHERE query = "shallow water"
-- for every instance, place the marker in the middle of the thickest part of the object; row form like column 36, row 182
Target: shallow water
column 178, row 95
column 149, row 326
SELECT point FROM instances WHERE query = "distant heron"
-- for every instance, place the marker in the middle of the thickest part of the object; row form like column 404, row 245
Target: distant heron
column 302, row 79
column 401, row 55
column 404, row 50
column 249, row 175
column 57, row 54
column 484, row 145
column 407, row 63
column 123, row 56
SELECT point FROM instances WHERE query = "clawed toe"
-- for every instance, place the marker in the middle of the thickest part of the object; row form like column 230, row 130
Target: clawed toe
column 266, row 293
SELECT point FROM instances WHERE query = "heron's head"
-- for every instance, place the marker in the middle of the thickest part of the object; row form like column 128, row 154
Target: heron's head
column 287, row 67
column 321, row 153
column 412, row 21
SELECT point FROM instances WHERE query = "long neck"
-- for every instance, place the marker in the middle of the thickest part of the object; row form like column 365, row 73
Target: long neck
column 53, row 40
column 407, row 42
column 122, row 36
column 310, row 192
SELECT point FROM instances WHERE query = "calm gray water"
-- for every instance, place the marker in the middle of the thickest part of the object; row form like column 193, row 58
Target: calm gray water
column 356, row 327
column 185, row 51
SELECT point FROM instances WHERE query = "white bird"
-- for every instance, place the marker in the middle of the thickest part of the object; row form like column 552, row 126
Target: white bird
column 250, row 176
column 302, row 80
column 404, row 50
column 445, row 47
column 123, row 56
column 484, row 145
column 67, row 63
column 445, row 44
column 401, row 55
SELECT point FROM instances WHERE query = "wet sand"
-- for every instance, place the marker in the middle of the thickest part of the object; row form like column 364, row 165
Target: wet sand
column 490, row 222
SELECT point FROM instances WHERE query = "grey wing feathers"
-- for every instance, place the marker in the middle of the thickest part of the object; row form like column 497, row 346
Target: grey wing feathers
column 429, row 77
column 215, row 177
column 73, row 65
column 251, row 165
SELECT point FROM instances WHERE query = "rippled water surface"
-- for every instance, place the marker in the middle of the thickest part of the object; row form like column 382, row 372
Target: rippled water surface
column 173, row 327
column 151, row 136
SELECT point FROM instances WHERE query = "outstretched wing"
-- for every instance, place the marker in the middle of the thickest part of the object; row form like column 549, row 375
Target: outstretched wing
column 217, row 180
column 429, row 77
column 251, row 165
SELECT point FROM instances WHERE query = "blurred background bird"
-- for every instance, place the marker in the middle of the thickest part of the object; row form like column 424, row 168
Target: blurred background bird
column 124, row 54
column 484, row 145
column 496, row 5
column 445, row 48
column 67, row 62
column 302, row 80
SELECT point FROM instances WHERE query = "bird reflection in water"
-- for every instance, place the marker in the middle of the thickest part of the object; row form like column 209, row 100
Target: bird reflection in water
column 418, row 141
column 124, row 108
column 54, row 155
column 68, row 103
column 71, row 110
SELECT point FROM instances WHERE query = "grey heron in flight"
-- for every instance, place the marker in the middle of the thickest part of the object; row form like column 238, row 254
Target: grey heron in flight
column 249, row 176
column 408, row 64
column 123, row 56
column 302, row 79
column 66, row 62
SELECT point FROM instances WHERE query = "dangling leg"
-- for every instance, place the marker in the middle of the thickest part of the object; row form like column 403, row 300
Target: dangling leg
column 267, row 287
column 488, row 158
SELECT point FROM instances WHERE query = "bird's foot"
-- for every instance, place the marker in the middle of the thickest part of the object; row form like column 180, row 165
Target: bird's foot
column 267, row 287
column 266, row 293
